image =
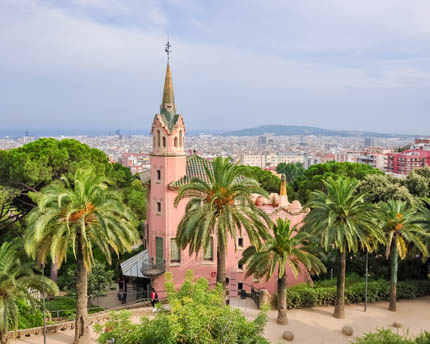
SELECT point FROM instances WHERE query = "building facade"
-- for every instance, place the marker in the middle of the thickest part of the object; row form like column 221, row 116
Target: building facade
column 170, row 169
column 404, row 162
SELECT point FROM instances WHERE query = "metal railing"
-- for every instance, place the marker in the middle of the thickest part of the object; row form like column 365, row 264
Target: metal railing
column 153, row 269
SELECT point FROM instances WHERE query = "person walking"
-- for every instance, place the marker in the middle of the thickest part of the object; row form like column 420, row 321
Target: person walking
column 154, row 298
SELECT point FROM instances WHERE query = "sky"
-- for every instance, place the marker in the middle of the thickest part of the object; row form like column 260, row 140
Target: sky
column 100, row 64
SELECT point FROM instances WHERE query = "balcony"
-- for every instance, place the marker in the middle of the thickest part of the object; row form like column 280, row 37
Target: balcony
column 153, row 269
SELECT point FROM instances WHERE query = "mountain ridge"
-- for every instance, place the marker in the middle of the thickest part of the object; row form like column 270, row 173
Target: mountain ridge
column 292, row 130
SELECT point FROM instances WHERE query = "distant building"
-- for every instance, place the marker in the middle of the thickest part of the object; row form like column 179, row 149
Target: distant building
column 369, row 142
column 292, row 157
column 406, row 161
column 262, row 140
column 252, row 160
column 425, row 141
column 376, row 160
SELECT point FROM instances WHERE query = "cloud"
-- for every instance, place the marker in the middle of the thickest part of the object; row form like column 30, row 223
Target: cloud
column 101, row 62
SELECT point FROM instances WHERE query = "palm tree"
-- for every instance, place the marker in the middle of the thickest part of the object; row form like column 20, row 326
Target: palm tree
column 79, row 214
column 219, row 206
column 287, row 247
column 342, row 220
column 17, row 279
column 400, row 227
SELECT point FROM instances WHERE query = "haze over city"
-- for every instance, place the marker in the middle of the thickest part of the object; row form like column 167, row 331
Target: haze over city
column 97, row 65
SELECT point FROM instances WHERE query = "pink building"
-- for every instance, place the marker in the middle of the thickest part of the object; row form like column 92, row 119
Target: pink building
column 171, row 168
column 404, row 162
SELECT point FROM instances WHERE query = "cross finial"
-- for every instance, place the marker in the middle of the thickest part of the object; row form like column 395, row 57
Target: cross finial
column 167, row 49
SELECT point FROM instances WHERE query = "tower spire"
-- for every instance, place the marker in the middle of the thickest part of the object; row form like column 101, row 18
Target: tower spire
column 168, row 101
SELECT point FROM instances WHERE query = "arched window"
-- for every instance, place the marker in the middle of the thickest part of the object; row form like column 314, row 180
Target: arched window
column 164, row 141
column 180, row 139
column 175, row 142
column 158, row 138
column 153, row 141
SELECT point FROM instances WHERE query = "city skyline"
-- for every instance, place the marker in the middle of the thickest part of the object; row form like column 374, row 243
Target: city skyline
column 354, row 66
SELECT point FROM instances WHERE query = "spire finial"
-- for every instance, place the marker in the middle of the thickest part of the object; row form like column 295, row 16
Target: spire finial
column 167, row 49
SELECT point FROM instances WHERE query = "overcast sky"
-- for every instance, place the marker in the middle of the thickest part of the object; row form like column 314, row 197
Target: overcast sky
column 337, row 64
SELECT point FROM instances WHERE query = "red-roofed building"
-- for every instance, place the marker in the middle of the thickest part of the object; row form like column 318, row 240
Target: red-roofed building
column 404, row 162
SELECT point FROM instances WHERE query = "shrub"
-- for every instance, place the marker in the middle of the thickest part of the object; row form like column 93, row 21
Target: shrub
column 388, row 337
column 197, row 315
column 29, row 316
column 323, row 293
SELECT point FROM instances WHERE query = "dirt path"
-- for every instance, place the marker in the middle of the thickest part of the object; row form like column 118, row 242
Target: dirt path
column 316, row 325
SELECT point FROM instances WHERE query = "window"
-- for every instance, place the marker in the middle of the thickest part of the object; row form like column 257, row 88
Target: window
column 209, row 251
column 240, row 242
column 240, row 286
column 164, row 141
column 158, row 207
column 158, row 138
column 158, row 175
column 153, row 141
column 159, row 254
column 176, row 142
column 175, row 253
column 240, row 267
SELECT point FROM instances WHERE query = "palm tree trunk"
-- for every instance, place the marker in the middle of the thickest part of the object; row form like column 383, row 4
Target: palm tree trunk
column 81, row 322
column 3, row 337
column 282, row 300
column 339, row 308
column 221, row 275
column 54, row 272
column 394, row 262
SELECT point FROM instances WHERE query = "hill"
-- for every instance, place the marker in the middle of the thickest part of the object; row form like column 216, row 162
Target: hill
column 291, row 130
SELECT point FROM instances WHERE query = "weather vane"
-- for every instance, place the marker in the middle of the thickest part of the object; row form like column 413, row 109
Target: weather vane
column 168, row 50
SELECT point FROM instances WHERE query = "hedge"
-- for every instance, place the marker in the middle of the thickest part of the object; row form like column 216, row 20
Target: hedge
column 323, row 293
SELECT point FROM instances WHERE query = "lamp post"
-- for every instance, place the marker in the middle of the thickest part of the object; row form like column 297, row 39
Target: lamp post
column 43, row 300
column 367, row 272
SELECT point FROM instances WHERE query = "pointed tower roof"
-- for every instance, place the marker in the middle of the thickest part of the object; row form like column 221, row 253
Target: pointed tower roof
column 168, row 95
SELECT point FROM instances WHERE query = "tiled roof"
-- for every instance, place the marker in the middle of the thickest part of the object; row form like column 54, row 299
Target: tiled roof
column 195, row 169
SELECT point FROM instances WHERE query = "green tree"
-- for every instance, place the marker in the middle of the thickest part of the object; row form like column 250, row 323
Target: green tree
column 220, row 206
column 268, row 181
column 99, row 280
column 17, row 278
column 33, row 166
column 400, row 227
column 342, row 220
column 315, row 175
column 382, row 188
column 418, row 182
column 287, row 247
column 291, row 170
column 79, row 213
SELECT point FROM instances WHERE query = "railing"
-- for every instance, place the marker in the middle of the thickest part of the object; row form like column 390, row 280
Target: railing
column 254, row 293
column 153, row 269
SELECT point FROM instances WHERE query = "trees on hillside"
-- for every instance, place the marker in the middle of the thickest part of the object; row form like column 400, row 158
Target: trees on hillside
column 287, row 247
column 79, row 213
column 220, row 206
column 342, row 220
column 399, row 223
column 17, row 278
